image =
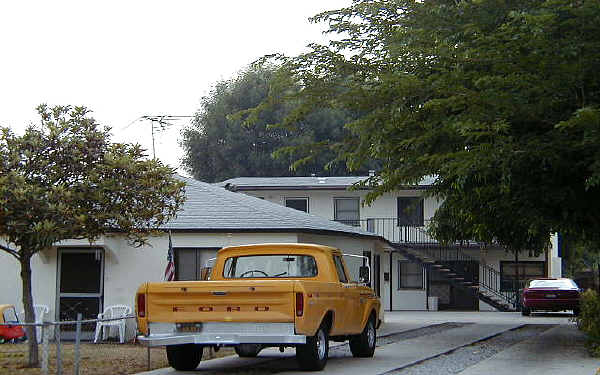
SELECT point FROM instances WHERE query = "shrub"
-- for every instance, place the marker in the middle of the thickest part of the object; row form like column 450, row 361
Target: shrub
column 589, row 320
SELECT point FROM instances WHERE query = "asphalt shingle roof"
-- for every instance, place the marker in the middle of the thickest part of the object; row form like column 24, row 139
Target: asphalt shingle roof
column 300, row 183
column 213, row 208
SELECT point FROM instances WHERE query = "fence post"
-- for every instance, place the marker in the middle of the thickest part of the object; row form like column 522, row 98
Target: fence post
column 45, row 338
column 77, row 341
column 58, row 353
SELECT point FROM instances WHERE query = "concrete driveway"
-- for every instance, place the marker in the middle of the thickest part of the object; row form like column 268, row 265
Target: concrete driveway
column 558, row 351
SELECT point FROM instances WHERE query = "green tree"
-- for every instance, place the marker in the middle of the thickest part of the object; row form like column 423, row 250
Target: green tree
column 64, row 179
column 218, row 147
column 497, row 98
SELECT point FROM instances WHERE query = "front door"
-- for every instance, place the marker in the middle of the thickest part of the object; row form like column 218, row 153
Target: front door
column 80, row 286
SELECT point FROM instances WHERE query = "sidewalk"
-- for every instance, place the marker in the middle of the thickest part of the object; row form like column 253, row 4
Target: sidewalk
column 558, row 351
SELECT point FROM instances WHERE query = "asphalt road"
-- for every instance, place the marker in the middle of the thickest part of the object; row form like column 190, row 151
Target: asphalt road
column 558, row 350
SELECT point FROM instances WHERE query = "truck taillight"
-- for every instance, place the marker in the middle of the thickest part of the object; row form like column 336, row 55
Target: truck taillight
column 299, row 304
column 141, row 305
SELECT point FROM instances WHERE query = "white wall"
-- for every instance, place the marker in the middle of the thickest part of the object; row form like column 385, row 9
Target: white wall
column 320, row 202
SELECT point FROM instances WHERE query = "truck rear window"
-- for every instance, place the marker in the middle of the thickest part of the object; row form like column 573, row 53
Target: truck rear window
column 257, row 266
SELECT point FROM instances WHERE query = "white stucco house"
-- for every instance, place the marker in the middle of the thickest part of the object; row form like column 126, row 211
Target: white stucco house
column 466, row 276
column 78, row 277
column 409, row 270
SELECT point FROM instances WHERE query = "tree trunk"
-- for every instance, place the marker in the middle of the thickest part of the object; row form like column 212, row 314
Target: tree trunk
column 29, row 312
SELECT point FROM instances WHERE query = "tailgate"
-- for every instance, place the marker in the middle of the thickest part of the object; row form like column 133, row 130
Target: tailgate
column 221, row 301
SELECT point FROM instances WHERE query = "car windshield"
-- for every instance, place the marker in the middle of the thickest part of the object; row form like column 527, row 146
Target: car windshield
column 558, row 284
column 10, row 316
column 270, row 266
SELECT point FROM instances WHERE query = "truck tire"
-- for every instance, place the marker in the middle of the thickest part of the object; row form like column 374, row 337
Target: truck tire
column 525, row 311
column 313, row 355
column 363, row 344
column 184, row 357
column 248, row 350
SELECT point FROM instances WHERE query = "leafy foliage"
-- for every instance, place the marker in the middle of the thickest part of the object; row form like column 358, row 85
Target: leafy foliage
column 497, row 98
column 579, row 255
column 589, row 320
column 64, row 179
column 222, row 142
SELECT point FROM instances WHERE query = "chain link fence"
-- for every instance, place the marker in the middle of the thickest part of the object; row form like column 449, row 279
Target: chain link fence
column 62, row 331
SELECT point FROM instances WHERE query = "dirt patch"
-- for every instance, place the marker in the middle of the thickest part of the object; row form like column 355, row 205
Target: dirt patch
column 96, row 359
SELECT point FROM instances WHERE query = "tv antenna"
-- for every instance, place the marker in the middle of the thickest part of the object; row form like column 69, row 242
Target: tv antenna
column 161, row 122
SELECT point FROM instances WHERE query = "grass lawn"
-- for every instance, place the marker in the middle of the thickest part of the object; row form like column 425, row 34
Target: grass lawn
column 101, row 359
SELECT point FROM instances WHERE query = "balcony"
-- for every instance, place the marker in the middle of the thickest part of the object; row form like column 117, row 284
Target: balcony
column 393, row 231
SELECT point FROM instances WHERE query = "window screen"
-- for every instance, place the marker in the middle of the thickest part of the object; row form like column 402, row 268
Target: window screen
column 410, row 211
column 189, row 262
column 410, row 275
column 300, row 204
column 347, row 211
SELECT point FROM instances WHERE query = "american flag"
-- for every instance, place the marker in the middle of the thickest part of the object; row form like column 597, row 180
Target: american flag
column 170, row 270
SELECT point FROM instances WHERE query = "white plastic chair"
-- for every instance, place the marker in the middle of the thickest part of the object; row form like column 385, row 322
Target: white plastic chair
column 112, row 312
column 39, row 311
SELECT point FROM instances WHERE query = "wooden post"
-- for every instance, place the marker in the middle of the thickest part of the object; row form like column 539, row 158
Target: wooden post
column 77, row 342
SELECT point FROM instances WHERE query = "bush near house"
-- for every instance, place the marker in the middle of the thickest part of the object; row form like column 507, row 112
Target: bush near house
column 589, row 320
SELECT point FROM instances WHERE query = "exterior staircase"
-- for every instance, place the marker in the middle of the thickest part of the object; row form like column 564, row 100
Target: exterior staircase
column 453, row 264
column 457, row 267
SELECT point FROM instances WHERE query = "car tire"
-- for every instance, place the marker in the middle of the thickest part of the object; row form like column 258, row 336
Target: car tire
column 363, row 344
column 247, row 350
column 184, row 357
column 525, row 311
column 313, row 355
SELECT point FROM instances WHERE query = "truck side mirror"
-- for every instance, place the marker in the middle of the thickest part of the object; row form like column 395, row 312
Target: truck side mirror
column 364, row 274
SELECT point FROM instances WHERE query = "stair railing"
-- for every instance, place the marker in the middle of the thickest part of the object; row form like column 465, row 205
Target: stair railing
column 417, row 239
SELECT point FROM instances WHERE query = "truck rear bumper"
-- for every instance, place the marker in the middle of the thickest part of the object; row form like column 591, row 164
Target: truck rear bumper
column 214, row 333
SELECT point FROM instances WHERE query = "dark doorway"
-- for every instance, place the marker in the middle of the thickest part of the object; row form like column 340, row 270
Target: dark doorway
column 81, row 288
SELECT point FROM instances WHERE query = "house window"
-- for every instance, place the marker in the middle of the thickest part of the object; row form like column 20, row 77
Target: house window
column 346, row 210
column 410, row 211
column 300, row 204
column 189, row 262
column 527, row 270
column 410, row 275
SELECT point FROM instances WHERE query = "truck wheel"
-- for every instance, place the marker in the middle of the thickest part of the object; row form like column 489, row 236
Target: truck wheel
column 525, row 311
column 312, row 356
column 184, row 357
column 248, row 350
column 363, row 344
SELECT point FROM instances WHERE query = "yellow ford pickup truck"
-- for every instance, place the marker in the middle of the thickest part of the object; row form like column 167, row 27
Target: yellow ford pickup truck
column 258, row 296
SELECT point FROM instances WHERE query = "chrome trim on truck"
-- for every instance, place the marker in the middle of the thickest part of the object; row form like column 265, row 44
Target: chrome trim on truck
column 214, row 333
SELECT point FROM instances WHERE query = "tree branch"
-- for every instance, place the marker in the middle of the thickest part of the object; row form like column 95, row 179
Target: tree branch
column 12, row 252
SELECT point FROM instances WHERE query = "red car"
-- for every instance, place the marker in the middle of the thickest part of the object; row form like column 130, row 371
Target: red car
column 11, row 331
column 550, row 295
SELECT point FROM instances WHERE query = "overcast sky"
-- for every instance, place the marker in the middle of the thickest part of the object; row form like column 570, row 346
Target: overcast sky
column 124, row 59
